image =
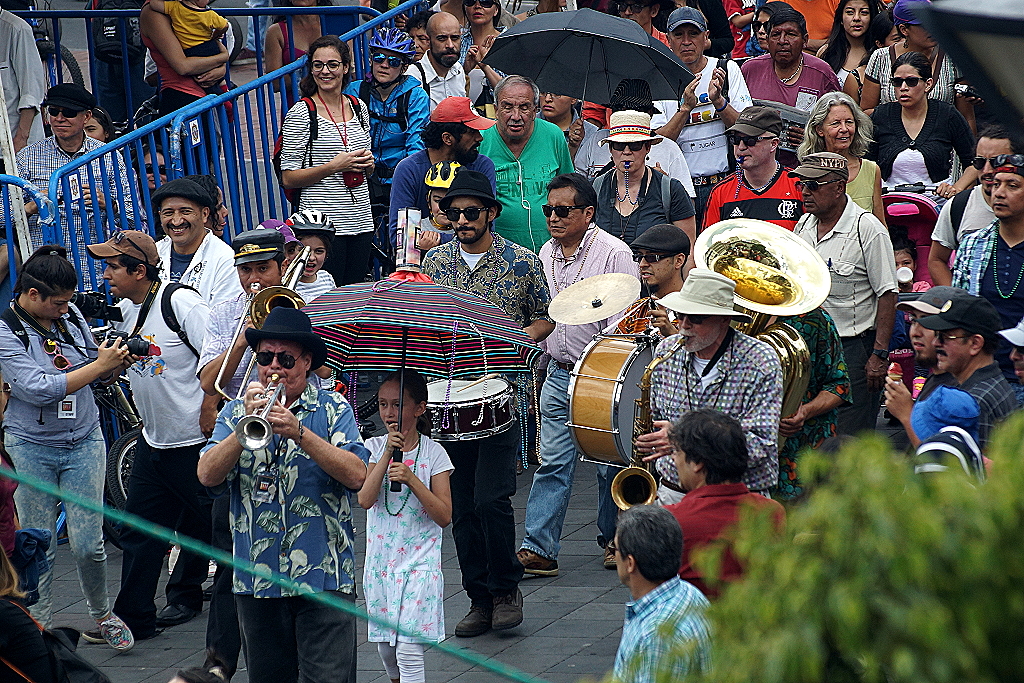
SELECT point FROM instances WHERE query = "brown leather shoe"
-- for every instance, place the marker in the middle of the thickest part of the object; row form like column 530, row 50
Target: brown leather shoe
column 537, row 564
column 508, row 611
column 609, row 559
column 477, row 622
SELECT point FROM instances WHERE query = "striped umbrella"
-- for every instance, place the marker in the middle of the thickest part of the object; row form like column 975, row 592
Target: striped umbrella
column 407, row 321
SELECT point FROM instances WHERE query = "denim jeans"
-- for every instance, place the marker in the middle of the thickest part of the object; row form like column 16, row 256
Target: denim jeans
column 81, row 470
column 264, row 22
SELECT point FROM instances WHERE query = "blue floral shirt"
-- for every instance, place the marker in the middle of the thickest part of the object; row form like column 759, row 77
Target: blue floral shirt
column 305, row 533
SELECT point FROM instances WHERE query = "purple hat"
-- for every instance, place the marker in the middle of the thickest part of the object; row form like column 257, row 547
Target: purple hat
column 902, row 12
column 285, row 230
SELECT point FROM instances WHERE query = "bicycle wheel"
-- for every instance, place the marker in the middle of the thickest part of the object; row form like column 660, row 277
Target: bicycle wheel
column 72, row 71
column 120, row 458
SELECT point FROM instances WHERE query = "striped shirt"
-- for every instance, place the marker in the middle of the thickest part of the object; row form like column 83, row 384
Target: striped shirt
column 348, row 208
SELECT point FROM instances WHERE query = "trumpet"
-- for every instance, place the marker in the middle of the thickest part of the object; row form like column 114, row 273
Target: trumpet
column 254, row 431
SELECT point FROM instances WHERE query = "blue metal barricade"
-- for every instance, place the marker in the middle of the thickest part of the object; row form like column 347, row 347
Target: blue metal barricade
column 46, row 215
column 211, row 135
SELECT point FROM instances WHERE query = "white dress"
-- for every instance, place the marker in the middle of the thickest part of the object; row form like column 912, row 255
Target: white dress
column 402, row 578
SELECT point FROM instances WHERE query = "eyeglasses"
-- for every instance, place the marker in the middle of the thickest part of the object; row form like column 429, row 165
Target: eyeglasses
column 633, row 146
column 911, row 82
column 51, row 348
column 634, row 7
column 64, row 111
column 651, row 258
column 560, row 211
column 118, row 237
column 486, row 4
column 332, row 65
column 694, row 319
column 393, row 61
column 813, row 185
column 943, row 337
column 471, row 213
column 748, row 140
column 979, row 162
column 756, row 26
column 286, row 359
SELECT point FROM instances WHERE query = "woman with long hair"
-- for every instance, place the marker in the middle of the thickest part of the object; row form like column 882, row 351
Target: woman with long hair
column 836, row 124
column 484, row 25
column 332, row 176
column 23, row 654
column 52, row 427
column 280, row 47
column 848, row 48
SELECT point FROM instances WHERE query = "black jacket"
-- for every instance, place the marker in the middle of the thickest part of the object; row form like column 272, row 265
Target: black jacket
column 945, row 130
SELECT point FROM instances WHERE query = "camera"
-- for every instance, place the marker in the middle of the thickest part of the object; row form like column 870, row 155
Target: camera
column 137, row 346
column 95, row 305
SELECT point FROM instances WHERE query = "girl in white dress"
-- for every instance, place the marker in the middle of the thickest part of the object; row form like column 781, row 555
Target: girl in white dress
column 402, row 578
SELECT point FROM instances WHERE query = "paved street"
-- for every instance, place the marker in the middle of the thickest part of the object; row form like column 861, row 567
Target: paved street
column 570, row 632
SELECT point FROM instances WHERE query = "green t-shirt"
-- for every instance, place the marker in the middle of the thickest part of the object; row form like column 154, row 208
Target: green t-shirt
column 523, row 182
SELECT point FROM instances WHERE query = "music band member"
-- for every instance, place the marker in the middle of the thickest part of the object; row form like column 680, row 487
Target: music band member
column 483, row 524
column 719, row 368
column 578, row 249
column 163, row 488
column 305, row 478
column 660, row 252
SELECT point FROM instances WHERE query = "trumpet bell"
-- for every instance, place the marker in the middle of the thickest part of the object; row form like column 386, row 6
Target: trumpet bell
column 254, row 432
column 633, row 486
column 775, row 271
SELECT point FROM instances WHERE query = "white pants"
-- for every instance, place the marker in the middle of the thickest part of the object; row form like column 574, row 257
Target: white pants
column 403, row 662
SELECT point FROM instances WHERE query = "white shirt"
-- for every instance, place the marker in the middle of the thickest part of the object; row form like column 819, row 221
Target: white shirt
column 311, row 290
column 977, row 215
column 702, row 139
column 593, row 156
column 166, row 390
column 471, row 259
column 451, row 85
column 211, row 271
column 22, row 74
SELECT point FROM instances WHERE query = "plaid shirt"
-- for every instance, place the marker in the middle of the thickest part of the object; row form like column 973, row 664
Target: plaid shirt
column 39, row 161
column 749, row 388
column 665, row 632
column 973, row 257
column 995, row 398
column 509, row 276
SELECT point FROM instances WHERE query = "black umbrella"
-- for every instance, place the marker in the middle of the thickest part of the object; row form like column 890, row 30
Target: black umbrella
column 584, row 54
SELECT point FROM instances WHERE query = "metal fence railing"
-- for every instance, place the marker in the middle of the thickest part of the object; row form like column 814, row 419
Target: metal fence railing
column 8, row 258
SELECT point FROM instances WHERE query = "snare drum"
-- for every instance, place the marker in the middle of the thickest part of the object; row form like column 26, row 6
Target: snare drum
column 482, row 410
column 603, row 390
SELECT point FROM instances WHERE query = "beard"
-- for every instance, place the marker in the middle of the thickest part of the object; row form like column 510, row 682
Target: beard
column 696, row 343
column 465, row 157
column 447, row 59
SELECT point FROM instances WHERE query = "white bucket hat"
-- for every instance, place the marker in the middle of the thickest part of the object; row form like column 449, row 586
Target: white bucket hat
column 630, row 126
column 1014, row 335
column 705, row 292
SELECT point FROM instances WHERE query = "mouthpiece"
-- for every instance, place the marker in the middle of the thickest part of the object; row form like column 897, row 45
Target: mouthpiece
column 626, row 164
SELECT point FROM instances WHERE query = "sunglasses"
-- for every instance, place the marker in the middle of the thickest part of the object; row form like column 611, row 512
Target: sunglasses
column 332, row 65
column 812, row 185
column 756, row 26
column 912, row 81
column 979, row 162
column 154, row 170
column 471, row 213
column 64, row 111
column 943, row 337
column 634, row 7
column 633, row 146
column 393, row 61
column 560, row 211
column 748, row 140
column 51, row 348
column 650, row 258
column 694, row 319
column 119, row 237
column 486, row 4
column 1010, row 160
column 286, row 359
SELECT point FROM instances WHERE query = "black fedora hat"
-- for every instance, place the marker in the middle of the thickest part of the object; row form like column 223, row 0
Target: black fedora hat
column 469, row 183
column 290, row 324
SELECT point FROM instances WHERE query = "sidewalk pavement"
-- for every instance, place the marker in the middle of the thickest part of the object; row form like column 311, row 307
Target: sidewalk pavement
column 570, row 631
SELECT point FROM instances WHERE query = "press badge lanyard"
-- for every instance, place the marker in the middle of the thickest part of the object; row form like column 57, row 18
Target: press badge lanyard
column 267, row 475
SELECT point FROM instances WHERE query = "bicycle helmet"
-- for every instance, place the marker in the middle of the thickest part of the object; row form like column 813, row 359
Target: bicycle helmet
column 310, row 219
column 441, row 174
column 394, row 40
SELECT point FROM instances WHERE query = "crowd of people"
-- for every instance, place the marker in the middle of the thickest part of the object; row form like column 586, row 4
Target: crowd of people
column 521, row 194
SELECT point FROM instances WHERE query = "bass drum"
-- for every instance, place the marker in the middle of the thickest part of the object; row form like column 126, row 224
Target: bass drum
column 460, row 412
column 604, row 388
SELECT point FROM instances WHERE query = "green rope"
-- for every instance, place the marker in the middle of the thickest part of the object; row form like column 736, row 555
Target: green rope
column 225, row 558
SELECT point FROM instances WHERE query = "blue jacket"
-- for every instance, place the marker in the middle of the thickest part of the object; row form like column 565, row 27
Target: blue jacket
column 389, row 140
column 29, row 560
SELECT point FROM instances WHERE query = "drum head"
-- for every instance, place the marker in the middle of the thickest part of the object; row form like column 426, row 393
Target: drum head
column 436, row 391
column 629, row 394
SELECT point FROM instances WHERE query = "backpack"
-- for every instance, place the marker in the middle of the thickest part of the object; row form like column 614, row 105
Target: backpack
column 67, row 665
column 295, row 193
column 108, row 31
column 666, row 188
column 958, row 205
column 401, row 117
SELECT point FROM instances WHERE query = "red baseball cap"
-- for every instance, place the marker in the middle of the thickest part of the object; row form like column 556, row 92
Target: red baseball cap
column 458, row 110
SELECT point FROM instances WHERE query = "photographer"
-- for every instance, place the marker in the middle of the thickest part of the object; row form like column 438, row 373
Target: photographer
column 48, row 356
column 170, row 320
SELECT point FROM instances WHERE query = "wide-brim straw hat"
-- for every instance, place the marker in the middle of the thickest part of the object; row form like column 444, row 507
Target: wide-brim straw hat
column 631, row 126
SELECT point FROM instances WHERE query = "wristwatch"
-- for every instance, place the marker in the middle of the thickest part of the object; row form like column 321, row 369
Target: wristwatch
column 881, row 353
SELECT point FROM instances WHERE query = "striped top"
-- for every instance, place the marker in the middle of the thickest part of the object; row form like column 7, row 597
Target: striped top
column 348, row 208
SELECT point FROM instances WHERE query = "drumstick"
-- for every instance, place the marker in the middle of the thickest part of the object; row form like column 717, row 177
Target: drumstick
column 493, row 375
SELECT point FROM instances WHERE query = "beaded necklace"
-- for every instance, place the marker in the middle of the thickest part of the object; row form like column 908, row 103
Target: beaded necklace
column 619, row 199
column 995, row 272
column 555, row 284
column 742, row 181
column 408, row 490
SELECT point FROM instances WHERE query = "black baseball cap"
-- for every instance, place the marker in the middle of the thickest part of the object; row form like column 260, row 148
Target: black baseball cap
column 972, row 314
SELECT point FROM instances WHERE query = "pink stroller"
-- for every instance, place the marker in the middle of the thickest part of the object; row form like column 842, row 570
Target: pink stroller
column 907, row 205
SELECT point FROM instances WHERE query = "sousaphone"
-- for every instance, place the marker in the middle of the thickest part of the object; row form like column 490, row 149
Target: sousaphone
column 776, row 274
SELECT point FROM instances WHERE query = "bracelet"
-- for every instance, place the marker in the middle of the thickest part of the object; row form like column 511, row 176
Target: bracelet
column 719, row 111
column 302, row 431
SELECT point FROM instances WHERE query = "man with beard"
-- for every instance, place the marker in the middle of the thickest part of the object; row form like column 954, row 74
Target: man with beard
column 711, row 365
column 453, row 134
column 898, row 400
column 527, row 153
column 484, row 480
column 660, row 252
column 969, row 211
column 443, row 75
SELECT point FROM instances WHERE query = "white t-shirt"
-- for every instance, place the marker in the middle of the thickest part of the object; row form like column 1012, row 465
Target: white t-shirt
column 977, row 215
column 165, row 387
column 211, row 271
column 593, row 156
column 311, row 290
column 702, row 139
column 699, row 364
column 471, row 259
column 908, row 168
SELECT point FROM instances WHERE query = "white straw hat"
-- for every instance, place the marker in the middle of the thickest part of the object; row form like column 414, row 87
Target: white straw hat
column 705, row 292
column 630, row 126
